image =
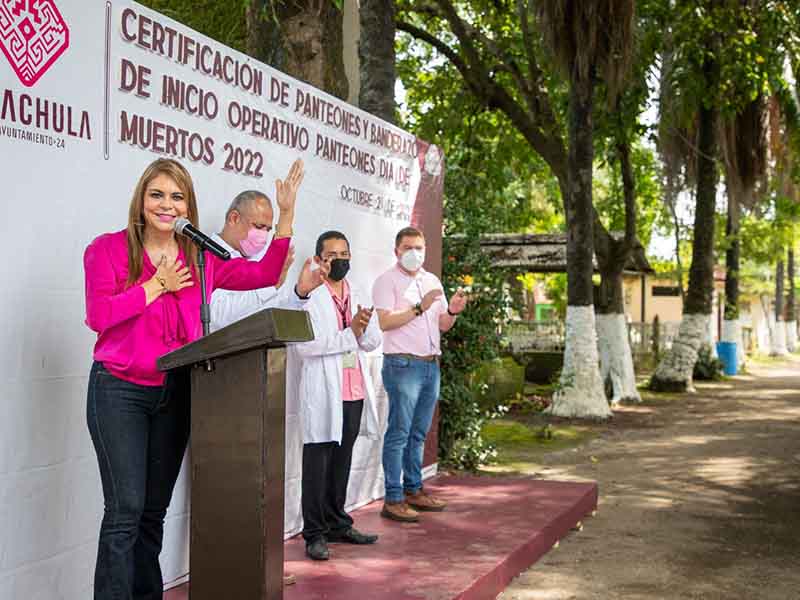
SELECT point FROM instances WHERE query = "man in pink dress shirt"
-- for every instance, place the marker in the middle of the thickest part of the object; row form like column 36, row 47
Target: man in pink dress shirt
column 413, row 312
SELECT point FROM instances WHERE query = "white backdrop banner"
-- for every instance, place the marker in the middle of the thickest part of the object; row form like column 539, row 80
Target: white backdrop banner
column 91, row 92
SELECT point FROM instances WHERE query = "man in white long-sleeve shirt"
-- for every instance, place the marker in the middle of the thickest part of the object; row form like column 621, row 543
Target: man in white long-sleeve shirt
column 248, row 226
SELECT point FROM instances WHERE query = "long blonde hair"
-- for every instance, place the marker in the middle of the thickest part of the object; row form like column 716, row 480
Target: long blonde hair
column 136, row 222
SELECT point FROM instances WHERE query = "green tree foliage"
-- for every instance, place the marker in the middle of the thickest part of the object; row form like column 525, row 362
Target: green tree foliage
column 608, row 192
column 222, row 21
column 494, row 184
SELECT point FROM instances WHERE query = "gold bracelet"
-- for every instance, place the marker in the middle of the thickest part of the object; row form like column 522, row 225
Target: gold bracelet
column 278, row 235
column 162, row 281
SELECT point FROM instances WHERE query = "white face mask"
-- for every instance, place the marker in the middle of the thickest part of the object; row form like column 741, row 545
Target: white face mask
column 412, row 260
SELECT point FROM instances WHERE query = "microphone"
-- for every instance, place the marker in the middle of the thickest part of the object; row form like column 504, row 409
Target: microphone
column 184, row 227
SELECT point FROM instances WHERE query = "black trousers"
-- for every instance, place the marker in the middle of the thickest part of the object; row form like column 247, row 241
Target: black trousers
column 139, row 434
column 326, row 472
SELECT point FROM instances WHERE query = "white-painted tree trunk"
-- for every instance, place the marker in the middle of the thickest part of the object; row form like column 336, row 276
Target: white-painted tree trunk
column 732, row 332
column 779, row 340
column 791, row 336
column 616, row 361
column 676, row 368
column 580, row 392
column 763, row 337
column 769, row 320
column 711, row 337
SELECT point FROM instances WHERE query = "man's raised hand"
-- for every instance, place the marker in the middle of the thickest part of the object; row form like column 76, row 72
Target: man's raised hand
column 458, row 302
column 309, row 279
column 361, row 320
column 286, row 190
column 429, row 298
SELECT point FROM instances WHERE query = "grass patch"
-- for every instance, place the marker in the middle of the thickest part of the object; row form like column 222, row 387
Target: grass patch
column 521, row 445
column 539, row 389
column 507, row 433
column 649, row 397
column 765, row 359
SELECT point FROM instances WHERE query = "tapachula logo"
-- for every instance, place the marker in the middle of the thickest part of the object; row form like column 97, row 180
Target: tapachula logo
column 33, row 34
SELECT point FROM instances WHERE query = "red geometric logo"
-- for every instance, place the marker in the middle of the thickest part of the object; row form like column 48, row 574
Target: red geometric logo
column 33, row 35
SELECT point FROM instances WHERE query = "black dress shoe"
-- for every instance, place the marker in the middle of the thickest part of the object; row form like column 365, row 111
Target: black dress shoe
column 351, row 536
column 318, row 550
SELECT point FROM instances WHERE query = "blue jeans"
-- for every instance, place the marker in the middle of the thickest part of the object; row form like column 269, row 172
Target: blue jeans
column 140, row 435
column 413, row 389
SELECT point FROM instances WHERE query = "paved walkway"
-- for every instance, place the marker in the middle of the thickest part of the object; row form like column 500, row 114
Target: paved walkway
column 699, row 499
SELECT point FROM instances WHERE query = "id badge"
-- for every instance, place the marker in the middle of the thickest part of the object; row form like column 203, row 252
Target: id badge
column 349, row 360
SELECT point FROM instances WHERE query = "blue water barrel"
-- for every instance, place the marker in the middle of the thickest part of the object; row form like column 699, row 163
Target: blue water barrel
column 727, row 354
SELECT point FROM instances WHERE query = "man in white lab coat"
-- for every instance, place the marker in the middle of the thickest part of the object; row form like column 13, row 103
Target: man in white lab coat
column 248, row 226
column 335, row 394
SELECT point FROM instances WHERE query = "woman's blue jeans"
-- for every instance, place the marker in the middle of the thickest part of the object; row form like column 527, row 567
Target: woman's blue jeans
column 140, row 435
column 413, row 389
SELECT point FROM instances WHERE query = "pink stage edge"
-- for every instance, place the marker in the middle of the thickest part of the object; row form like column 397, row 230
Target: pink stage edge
column 493, row 529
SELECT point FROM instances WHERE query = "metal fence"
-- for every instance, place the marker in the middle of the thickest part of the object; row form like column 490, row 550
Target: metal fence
column 641, row 336
column 534, row 336
column 548, row 336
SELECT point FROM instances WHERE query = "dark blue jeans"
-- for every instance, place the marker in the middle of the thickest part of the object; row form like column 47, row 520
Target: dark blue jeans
column 413, row 389
column 140, row 435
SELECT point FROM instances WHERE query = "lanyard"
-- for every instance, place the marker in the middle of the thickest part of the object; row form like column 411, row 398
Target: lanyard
column 343, row 307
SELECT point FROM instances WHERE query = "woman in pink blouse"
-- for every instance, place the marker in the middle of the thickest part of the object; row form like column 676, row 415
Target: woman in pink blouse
column 143, row 300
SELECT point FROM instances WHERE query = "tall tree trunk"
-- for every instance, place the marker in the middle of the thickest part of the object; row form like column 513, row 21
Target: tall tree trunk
column 581, row 391
column 303, row 39
column 779, row 339
column 376, row 58
column 616, row 360
column 731, row 326
column 791, row 309
column 672, row 203
column 674, row 371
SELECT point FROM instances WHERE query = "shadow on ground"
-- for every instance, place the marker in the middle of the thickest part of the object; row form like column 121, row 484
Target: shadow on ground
column 699, row 495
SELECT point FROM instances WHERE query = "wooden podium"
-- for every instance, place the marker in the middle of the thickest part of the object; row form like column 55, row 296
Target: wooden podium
column 238, row 377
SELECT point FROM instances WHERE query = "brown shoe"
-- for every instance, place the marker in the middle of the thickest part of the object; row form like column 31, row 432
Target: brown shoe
column 399, row 511
column 289, row 579
column 420, row 500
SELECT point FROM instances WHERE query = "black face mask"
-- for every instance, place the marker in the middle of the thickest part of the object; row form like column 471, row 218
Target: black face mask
column 339, row 268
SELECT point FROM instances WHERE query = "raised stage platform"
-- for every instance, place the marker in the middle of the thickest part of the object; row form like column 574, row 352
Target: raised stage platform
column 493, row 528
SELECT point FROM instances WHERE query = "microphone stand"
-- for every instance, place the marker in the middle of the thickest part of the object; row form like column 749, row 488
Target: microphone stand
column 205, row 310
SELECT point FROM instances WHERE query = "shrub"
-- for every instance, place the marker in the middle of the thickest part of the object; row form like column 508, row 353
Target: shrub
column 465, row 348
column 707, row 368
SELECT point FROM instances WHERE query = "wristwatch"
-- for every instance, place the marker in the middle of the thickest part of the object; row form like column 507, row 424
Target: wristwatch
column 297, row 293
column 418, row 309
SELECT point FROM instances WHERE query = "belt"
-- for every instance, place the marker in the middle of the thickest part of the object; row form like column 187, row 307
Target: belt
column 429, row 358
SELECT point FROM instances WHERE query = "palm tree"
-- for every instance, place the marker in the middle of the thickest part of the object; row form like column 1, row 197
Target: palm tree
column 779, row 339
column 708, row 48
column 674, row 371
column 744, row 144
column 592, row 42
column 502, row 68
column 791, row 308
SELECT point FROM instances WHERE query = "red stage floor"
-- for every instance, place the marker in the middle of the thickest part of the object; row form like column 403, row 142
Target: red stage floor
column 492, row 530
